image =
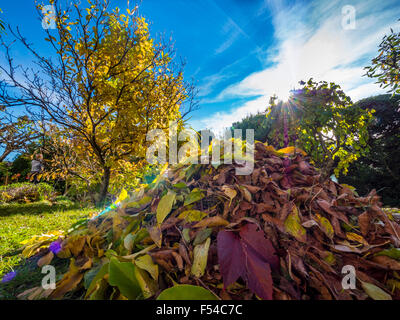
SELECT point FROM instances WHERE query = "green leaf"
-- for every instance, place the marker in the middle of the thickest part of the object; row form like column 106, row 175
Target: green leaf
column 101, row 289
column 180, row 185
column 122, row 275
column 202, row 235
column 186, row 292
column 190, row 171
column 78, row 224
column 374, row 292
column 145, row 262
column 128, row 241
column 186, row 235
column 200, row 253
column 139, row 236
column 97, row 278
column 192, row 215
column 90, row 275
column 193, row 196
column 392, row 253
column 164, row 206
column 147, row 284
column 137, row 204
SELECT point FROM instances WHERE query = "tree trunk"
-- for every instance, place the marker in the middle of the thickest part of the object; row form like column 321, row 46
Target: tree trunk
column 285, row 130
column 326, row 170
column 65, row 188
column 4, row 155
column 105, row 181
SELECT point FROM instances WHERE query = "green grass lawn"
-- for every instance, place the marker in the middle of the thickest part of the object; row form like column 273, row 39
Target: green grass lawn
column 19, row 222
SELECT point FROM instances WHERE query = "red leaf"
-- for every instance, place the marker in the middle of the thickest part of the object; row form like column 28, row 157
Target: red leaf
column 230, row 256
column 263, row 247
column 259, row 278
column 247, row 255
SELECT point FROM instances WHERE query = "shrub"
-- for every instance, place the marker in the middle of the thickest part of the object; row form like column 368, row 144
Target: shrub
column 25, row 191
column 379, row 168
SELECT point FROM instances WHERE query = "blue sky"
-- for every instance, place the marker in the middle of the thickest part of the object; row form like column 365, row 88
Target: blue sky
column 240, row 52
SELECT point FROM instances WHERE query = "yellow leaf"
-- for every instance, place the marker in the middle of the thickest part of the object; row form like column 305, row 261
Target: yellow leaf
column 156, row 235
column 137, row 204
column 215, row 221
column 230, row 192
column 357, row 238
column 292, row 150
column 69, row 281
column 200, row 254
column 325, row 225
column 123, row 195
column 164, row 206
column 145, row 262
column 246, row 194
column 192, row 215
column 294, row 227
column 269, row 148
column 375, row 292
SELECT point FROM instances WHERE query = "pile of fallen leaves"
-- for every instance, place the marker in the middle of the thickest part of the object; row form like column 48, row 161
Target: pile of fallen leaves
column 203, row 232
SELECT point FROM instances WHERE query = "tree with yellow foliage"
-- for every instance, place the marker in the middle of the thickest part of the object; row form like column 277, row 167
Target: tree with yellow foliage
column 105, row 86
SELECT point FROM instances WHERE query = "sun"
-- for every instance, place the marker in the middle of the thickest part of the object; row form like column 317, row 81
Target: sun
column 284, row 95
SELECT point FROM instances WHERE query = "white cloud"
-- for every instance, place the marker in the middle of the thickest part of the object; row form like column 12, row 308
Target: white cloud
column 218, row 121
column 233, row 31
column 209, row 83
column 321, row 49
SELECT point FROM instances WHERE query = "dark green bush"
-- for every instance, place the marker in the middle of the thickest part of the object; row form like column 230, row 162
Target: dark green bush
column 380, row 168
column 21, row 166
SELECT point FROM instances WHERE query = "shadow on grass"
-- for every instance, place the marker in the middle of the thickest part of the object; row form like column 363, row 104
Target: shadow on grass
column 20, row 222
column 36, row 208
column 29, row 275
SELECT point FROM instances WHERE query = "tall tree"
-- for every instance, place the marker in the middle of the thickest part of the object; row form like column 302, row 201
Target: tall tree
column 258, row 122
column 106, row 85
column 322, row 120
column 386, row 66
column 276, row 125
column 379, row 168
column 332, row 130
column 15, row 132
column 319, row 118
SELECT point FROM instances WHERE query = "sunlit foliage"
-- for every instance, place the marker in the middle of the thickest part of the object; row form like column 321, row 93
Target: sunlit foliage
column 386, row 66
column 106, row 85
